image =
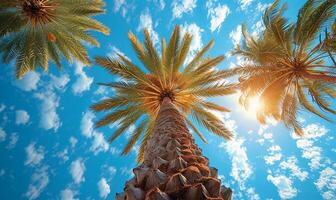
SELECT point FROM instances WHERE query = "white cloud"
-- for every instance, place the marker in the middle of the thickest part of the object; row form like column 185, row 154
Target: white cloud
column 114, row 51
column 60, row 82
column 13, row 140
column 243, row 4
column 160, row 4
column 261, row 7
column 326, row 183
column 312, row 133
column 104, row 188
column 112, row 171
column 329, row 195
column 196, row 43
column 39, row 181
column 252, row 194
column 34, row 155
column 22, row 117
column 29, row 82
column 77, row 169
column 257, row 29
column 284, row 186
column 87, row 124
column 68, row 194
column 314, row 155
column 2, row 135
column 118, row 5
column 146, row 22
column 236, row 35
column 87, row 128
column 63, row 155
column 115, row 151
column 291, row 164
column 73, row 141
column 217, row 14
column 49, row 118
column 241, row 169
column 183, row 6
column 123, row 7
column 99, row 143
column 83, row 82
column 274, row 155
column 2, row 107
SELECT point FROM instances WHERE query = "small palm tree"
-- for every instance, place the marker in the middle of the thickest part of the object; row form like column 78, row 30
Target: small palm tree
column 32, row 32
column 289, row 62
column 158, row 99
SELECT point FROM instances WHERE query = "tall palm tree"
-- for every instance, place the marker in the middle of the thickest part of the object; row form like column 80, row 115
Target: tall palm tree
column 158, row 99
column 289, row 62
column 32, row 32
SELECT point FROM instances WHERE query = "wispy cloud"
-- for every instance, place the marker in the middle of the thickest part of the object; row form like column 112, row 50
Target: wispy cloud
column 147, row 22
column 34, row 155
column 29, row 82
column 77, row 169
column 21, row 117
column 244, row 4
column 2, row 135
column 217, row 13
column 326, row 183
column 183, row 6
column 284, row 186
column 274, row 154
column 104, row 188
column 68, row 194
column 39, row 182
column 99, row 144
column 236, row 35
column 83, row 81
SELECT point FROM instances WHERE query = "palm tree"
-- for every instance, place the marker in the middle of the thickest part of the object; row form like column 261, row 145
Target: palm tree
column 32, row 32
column 158, row 99
column 288, row 63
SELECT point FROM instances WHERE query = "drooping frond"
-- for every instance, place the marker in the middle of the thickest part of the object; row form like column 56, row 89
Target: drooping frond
column 34, row 32
column 134, row 138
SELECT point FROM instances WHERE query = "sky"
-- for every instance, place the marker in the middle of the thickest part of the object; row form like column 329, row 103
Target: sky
column 50, row 150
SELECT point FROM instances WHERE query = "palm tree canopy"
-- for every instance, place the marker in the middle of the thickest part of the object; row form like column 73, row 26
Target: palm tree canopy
column 289, row 62
column 139, row 95
column 32, row 32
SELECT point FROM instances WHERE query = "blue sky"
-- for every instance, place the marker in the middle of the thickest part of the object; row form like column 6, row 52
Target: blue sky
column 49, row 149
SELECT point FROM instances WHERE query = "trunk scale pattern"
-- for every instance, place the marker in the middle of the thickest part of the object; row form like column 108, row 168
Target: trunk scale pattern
column 173, row 167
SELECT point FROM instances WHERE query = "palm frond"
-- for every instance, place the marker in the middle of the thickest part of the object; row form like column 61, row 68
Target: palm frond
column 134, row 138
column 190, row 123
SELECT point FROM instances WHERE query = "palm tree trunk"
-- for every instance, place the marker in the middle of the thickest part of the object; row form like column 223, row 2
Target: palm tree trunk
column 173, row 166
column 321, row 77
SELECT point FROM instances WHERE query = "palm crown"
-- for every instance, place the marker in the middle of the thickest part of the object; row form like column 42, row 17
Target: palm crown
column 138, row 97
column 35, row 31
column 288, row 62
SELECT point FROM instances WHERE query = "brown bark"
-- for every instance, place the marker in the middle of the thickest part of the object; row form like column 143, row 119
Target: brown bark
column 173, row 167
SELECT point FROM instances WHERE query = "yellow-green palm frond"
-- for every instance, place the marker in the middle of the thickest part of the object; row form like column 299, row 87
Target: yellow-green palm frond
column 138, row 97
column 34, row 32
column 287, row 63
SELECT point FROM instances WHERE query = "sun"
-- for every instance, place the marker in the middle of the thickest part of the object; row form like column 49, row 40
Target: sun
column 254, row 105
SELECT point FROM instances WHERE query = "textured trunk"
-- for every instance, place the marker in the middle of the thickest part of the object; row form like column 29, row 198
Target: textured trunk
column 173, row 166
